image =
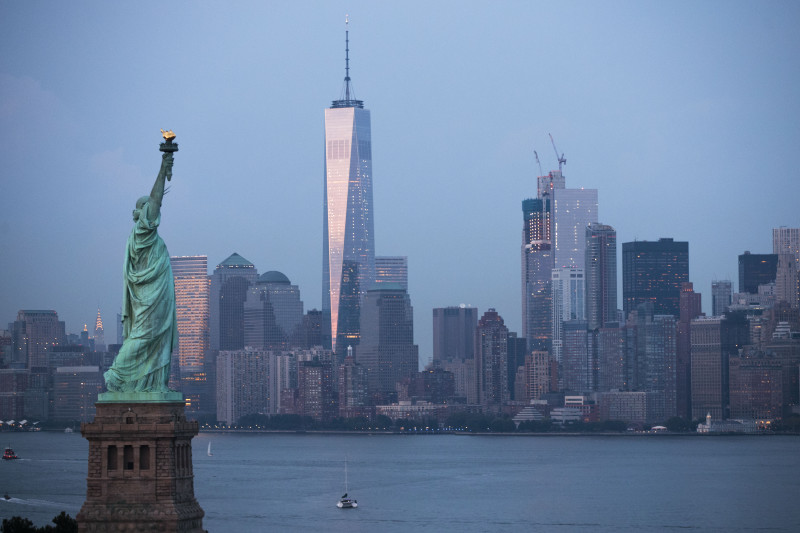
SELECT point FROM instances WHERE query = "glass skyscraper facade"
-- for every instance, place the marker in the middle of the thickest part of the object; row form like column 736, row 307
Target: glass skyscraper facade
column 348, row 268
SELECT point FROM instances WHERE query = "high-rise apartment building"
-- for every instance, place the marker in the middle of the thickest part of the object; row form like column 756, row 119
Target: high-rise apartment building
column 387, row 350
column 243, row 379
column 569, row 291
column 653, row 272
column 454, row 333
column 392, row 269
column 348, row 256
column 491, row 354
column 573, row 211
column 537, row 266
column 601, row 275
column 721, row 296
column 755, row 270
column 192, row 287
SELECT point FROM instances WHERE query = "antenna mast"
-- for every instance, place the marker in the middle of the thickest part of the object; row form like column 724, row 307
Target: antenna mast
column 347, row 57
column 561, row 160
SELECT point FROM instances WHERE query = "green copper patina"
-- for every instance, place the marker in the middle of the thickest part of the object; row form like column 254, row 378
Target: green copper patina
column 141, row 369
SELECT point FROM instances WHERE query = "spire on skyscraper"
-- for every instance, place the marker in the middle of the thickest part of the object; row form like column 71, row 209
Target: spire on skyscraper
column 98, row 325
column 347, row 98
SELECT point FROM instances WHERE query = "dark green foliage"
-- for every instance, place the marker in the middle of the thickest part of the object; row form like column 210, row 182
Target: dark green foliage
column 677, row 424
column 64, row 523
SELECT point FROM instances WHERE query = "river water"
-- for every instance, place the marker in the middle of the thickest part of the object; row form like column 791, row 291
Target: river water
column 291, row 482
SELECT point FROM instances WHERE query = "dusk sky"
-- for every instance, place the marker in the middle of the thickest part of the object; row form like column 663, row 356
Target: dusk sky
column 685, row 116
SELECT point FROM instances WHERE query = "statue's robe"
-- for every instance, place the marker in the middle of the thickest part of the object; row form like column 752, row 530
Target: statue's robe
column 148, row 313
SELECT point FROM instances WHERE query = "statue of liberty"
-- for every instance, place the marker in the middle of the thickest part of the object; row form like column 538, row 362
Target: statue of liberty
column 148, row 302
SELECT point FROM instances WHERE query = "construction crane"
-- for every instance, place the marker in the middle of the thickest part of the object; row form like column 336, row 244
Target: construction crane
column 538, row 163
column 561, row 160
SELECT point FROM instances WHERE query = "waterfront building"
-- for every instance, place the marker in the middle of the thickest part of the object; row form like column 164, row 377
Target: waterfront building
column 13, row 384
column 465, row 379
column 628, row 406
column 454, row 333
column 34, row 333
column 721, row 296
column 610, row 343
column 541, row 375
column 660, row 368
column 690, row 308
column 755, row 270
column 601, row 275
column 315, row 390
column 491, row 361
column 756, row 388
column 387, row 348
column 653, row 272
column 517, row 350
column 353, row 389
column 392, row 269
column 192, row 293
column 577, row 369
column 75, row 390
column 242, row 384
column 348, row 268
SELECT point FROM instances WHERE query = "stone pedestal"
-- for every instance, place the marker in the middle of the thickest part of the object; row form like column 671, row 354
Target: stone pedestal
column 140, row 469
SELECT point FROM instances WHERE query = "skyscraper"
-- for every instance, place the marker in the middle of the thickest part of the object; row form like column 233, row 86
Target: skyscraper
column 573, row 211
column 99, row 335
column 229, row 284
column 392, row 269
column 273, row 312
column 601, row 275
column 34, row 333
column 387, row 349
column 537, row 266
column 348, row 263
column 653, row 272
column 569, row 291
column 191, row 305
column 491, row 361
column 454, row 333
column 786, row 241
column 721, row 293
column 755, row 270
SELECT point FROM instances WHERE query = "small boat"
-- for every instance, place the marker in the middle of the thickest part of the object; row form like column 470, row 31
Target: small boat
column 68, row 430
column 346, row 502
column 209, row 450
column 9, row 454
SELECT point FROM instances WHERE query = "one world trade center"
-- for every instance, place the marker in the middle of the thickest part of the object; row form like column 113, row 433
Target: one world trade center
column 348, row 264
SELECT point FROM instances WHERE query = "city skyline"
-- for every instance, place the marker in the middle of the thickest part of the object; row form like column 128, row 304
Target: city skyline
column 681, row 110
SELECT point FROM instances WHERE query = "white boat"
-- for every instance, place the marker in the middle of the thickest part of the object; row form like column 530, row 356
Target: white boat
column 346, row 502
column 209, row 450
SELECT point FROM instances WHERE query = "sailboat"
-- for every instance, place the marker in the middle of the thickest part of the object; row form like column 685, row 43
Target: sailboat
column 346, row 502
column 209, row 450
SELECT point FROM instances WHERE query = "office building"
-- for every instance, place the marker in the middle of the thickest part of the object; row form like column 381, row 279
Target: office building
column 660, row 368
column 348, row 268
column 454, row 333
column 273, row 313
column 491, row 361
column 353, row 389
column 387, row 350
column 315, row 390
column 721, row 296
column 75, row 390
column 786, row 241
column 34, row 333
column 392, row 269
column 755, row 270
column 99, row 334
column 192, row 293
column 229, row 284
column 690, row 308
column 653, row 272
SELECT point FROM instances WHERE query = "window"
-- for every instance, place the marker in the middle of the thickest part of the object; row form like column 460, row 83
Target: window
column 112, row 457
column 144, row 457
